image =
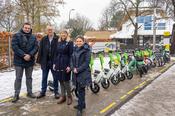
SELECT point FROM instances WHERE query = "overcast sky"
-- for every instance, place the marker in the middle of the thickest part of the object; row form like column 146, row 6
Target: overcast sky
column 89, row 8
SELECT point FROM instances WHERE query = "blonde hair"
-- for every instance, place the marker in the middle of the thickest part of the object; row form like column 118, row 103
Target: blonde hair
column 67, row 39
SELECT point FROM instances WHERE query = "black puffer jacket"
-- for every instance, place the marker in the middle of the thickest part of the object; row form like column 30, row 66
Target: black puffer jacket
column 24, row 43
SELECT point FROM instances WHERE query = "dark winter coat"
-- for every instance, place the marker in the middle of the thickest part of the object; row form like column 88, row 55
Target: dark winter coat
column 80, row 60
column 62, row 59
column 44, row 56
column 24, row 43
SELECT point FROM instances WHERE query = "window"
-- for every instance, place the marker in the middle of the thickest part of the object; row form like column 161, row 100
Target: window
column 140, row 19
column 161, row 26
column 143, row 19
column 148, row 19
column 148, row 26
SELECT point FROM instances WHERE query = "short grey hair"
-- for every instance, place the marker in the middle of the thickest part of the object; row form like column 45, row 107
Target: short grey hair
column 50, row 27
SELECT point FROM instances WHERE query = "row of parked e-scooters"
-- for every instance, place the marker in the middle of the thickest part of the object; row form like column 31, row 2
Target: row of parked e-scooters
column 123, row 65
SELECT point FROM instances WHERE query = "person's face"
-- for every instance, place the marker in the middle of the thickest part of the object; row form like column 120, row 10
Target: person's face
column 50, row 31
column 27, row 28
column 79, row 42
column 63, row 35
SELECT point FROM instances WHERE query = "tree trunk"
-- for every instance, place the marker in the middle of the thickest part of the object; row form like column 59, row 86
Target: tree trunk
column 173, row 40
column 172, row 49
column 135, row 37
column 174, row 7
column 27, row 16
column 38, row 16
column 33, row 12
column 136, row 25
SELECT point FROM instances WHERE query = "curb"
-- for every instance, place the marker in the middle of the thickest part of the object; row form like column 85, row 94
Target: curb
column 10, row 98
column 129, row 95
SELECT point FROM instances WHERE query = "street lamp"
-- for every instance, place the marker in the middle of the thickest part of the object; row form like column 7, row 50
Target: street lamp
column 69, row 15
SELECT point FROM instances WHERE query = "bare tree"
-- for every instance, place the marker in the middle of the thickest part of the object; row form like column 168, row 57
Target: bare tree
column 105, row 19
column 167, row 5
column 80, row 22
column 38, row 12
column 7, row 17
column 79, row 25
column 173, row 2
column 130, row 9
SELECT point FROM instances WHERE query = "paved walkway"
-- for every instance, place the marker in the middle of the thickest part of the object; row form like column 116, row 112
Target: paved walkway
column 157, row 99
column 97, row 104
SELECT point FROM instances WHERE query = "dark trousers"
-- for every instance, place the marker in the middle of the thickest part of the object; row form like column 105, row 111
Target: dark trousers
column 81, row 96
column 45, row 73
column 19, row 74
column 65, row 88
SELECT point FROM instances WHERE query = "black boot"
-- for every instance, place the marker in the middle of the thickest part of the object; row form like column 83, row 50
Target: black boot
column 41, row 95
column 31, row 95
column 57, row 96
column 76, row 107
column 15, row 98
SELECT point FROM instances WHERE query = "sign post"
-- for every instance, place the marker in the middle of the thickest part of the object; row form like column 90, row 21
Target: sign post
column 166, row 40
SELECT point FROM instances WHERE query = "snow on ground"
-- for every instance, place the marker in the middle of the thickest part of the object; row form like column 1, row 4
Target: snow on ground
column 7, row 80
column 7, row 83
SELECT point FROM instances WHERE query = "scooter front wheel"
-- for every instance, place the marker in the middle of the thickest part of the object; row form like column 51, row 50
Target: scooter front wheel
column 115, row 80
column 105, row 83
column 95, row 88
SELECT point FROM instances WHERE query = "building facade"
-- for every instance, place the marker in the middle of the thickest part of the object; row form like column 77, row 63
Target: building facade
column 145, row 30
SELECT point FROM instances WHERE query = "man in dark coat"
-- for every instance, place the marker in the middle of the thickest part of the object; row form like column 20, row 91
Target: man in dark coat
column 81, row 71
column 25, row 46
column 46, row 53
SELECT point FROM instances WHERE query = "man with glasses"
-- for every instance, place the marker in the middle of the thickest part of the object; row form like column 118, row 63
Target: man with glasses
column 46, row 54
column 25, row 46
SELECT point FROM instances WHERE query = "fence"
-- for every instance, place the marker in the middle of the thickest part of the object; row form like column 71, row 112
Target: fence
column 6, row 52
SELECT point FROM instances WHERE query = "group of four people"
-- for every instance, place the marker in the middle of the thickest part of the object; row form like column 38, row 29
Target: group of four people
column 57, row 54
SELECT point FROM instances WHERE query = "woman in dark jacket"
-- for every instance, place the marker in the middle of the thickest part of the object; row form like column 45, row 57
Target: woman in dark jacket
column 81, row 71
column 62, row 66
